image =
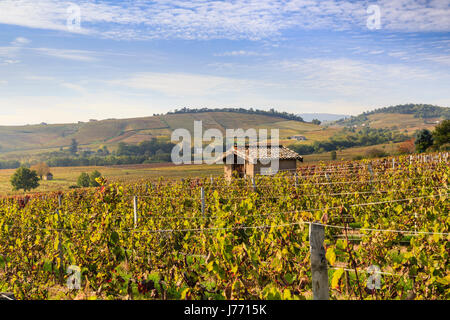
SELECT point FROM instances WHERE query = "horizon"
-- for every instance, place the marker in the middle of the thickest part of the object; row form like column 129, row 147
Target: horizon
column 102, row 60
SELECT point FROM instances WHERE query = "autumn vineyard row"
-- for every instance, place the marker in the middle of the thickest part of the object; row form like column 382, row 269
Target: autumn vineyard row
column 250, row 240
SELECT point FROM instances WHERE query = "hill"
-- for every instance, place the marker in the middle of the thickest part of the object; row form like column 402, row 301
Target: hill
column 93, row 134
column 408, row 117
column 31, row 143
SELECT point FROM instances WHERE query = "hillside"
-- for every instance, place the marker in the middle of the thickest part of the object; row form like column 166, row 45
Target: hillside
column 409, row 117
column 30, row 142
column 32, row 138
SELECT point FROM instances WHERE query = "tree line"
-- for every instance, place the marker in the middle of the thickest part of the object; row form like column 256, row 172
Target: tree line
column 271, row 112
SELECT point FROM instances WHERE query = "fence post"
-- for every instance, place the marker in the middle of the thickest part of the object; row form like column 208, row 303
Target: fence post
column 369, row 166
column 319, row 268
column 253, row 183
column 393, row 163
column 203, row 200
column 296, row 180
column 60, row 251
column 135, row 207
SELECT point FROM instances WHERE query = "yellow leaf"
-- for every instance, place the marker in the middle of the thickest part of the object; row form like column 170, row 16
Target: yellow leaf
column 331, row 256
column 336, row 276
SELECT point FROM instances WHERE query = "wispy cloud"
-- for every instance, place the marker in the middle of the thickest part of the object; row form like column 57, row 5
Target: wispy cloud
column 183, row 84
column 20, row 41
column 240, row 19
column 237, row 53
column 78, row 55
column 349, row 77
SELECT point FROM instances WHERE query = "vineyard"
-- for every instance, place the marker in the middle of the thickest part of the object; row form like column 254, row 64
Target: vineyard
column 249, row 239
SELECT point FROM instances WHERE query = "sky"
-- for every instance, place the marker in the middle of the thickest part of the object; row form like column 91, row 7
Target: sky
column 63, row 62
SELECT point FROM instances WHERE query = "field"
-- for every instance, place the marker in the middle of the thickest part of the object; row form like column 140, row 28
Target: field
column 165, row 240
column 64, row 177
column 67, row 176
column 22, row 141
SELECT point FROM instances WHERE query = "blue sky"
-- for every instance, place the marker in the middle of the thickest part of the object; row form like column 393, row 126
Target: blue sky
column 137, row 58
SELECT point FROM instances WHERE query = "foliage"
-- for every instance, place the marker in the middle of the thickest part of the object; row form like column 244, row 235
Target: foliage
column 41, row 169
column 424, row 140
column 333, row 155
column 9, row 164
column 84, row 180
column 418, row 110
column 93, row 178
column 73, row 146
column 247, row 244
column 348, row 138
column 25, row 179
column 145, row 148
column 441, row 134
column 271, row 112
column 407, row 147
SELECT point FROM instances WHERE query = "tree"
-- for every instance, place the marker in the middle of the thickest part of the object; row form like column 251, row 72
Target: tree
column 441, row 134
column 424, row 140
column 333, row 155
column 316, row 121
column 95, row 175
column 84, row 180
column 73, row 147
column 41, row 169
column 25, row 179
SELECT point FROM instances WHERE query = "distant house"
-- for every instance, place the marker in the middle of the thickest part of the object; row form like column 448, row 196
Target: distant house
column 251, row 160
column 298, row 138
column 48, row 176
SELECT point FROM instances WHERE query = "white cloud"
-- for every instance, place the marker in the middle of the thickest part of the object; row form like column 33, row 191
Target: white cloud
column 239, row 19
column 237, row 53
column 182, row 84
column 78, row 55
column 10, row 61
column 20, row 41
column 348, row 77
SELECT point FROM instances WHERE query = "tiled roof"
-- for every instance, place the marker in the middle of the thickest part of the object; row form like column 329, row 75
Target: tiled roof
column 254, row 153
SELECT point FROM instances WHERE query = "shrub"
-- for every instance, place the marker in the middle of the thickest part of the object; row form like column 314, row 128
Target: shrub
column 84, row 180
column 25, row 179
column 95, row 175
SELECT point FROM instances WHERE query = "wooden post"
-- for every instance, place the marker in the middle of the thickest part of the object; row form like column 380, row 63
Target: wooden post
column 135, row 206
column 253, row 183
column 319, row 268
column 203, row 200
column 393, row 163
column 60, row 251
column 296, row 180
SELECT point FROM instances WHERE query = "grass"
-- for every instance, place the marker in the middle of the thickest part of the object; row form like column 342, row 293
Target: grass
column 26, row 141
column 64, row 177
